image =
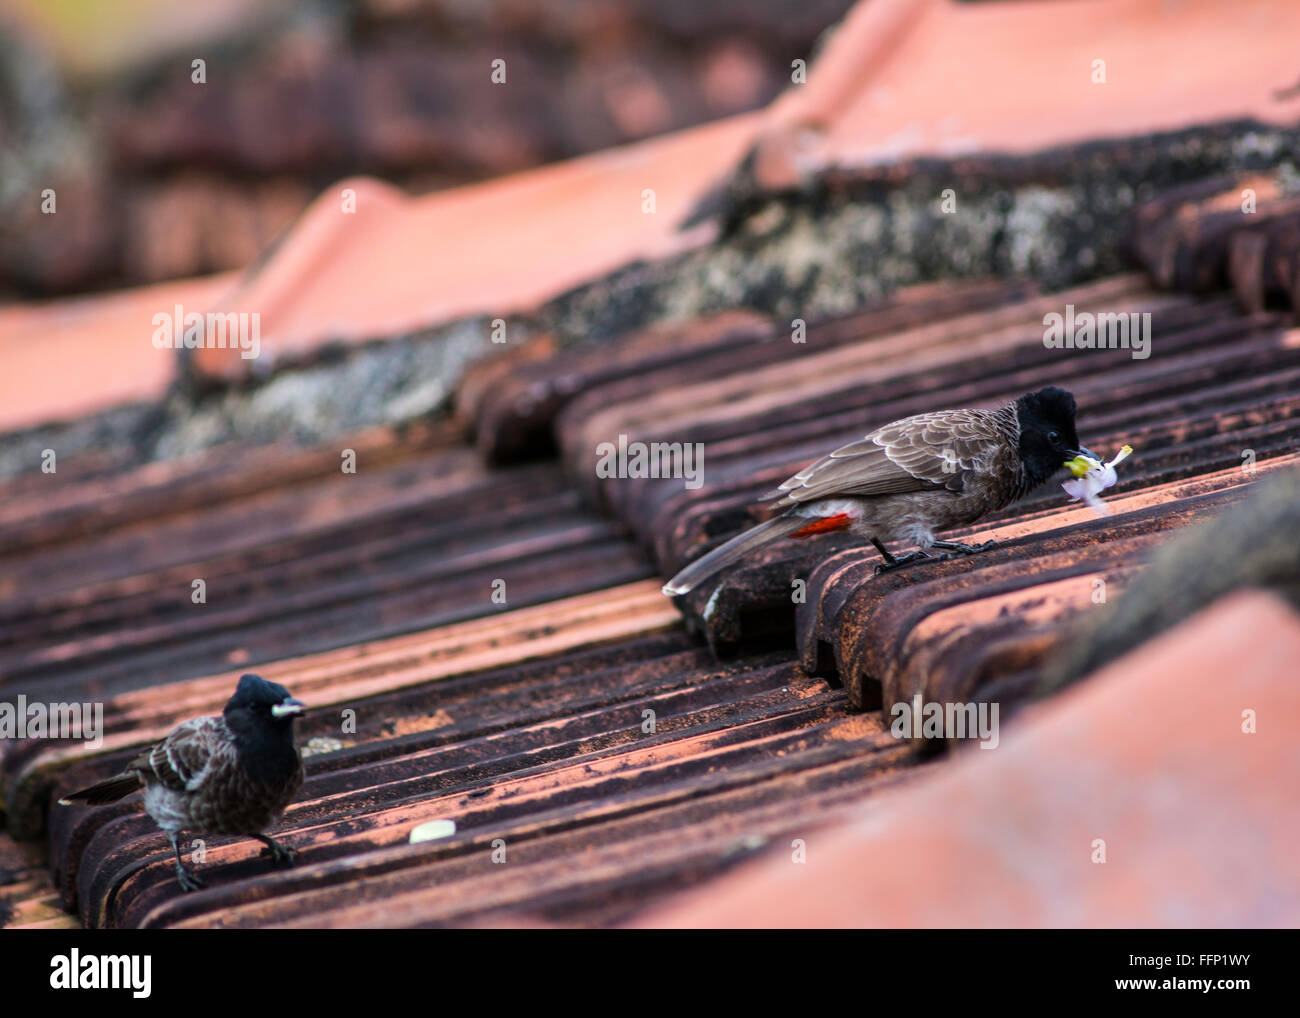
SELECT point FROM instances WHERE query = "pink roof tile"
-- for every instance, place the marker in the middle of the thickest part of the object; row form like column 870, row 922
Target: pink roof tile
column 71, row 357
column 903, row 79
column 399, row 264
column 395, row 265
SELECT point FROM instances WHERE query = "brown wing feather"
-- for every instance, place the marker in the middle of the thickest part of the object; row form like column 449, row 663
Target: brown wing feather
column 182, row 756
column 926, row 452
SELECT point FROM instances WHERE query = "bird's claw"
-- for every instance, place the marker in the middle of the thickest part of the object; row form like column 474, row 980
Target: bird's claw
column 956, row 548
column 189, row 881
column 952, row 549
column 903, row 560
column 279, row 855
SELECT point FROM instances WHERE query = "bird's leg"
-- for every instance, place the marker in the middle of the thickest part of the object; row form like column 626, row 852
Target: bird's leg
column 280, row 856
column 188, row 879
column 892, row 562
column 957, row 548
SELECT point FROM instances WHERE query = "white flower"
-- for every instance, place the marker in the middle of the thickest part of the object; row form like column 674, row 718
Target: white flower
column 1092, row 477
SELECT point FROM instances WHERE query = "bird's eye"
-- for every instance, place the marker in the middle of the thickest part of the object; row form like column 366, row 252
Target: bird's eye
column 1054, row 437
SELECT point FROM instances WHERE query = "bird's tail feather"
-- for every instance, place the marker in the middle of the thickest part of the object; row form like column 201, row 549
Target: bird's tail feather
column 735, row 549
column 104, row 792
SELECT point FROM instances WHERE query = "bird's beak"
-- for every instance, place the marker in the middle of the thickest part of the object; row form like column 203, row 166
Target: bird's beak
column 1081, row 461
column 287, row 708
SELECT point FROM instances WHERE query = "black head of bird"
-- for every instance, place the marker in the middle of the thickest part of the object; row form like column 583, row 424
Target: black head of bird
column 1047, row 435
column 258, row 702
column 260, row 717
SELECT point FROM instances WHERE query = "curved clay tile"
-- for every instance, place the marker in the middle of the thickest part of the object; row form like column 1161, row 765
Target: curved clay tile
column 400, row 264
column 1193, row 803
column 76, row 356
column 934, row 78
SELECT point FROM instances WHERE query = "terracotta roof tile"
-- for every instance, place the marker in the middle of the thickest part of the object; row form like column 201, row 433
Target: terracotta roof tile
column 396, row 265
column 525, row 724
column 1148, row 757
column 72, row 357
column 402, row 264
column 903, row 80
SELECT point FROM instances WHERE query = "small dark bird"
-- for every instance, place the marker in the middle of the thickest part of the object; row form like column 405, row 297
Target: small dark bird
column 911, row 478
column 232, row 774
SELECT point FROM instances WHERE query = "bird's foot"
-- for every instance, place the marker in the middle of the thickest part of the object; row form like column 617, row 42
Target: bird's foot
column 279, row 855
column 957, row 548
column 894, row 562
column 189, row 880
